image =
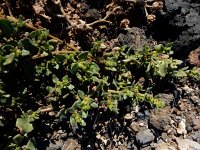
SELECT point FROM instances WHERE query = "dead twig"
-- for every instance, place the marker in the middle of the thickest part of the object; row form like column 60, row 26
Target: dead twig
column 58, row 2
column 46, row 109
column 87, row 25
column 52, row 53
column 105, row 18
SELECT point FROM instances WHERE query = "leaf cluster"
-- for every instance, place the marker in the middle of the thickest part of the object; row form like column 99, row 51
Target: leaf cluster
column 75, row 84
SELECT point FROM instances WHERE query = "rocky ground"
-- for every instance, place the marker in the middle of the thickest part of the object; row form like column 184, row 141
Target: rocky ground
column 134, row 23
column 169, row 128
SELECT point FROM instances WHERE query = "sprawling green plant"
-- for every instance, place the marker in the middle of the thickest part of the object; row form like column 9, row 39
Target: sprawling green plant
column 35, row 76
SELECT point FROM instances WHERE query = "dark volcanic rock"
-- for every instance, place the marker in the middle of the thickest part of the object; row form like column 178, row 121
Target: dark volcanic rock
column 179, row 22
column 185, row 15
column 134, row 38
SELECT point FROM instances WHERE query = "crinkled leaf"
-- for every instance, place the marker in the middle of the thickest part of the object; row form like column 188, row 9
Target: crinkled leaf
column 94, row 68
column 162, row 68
column 24, row 125
column 159, row 47
column 29, row 45
column 50, row 89
column 30, row 145
column 25, row 52
column 40, row 34
column 9, row 59
column 180, row 73
column 18, row 138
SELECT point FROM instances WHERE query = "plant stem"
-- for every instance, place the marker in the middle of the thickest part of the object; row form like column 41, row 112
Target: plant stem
column 52, row 53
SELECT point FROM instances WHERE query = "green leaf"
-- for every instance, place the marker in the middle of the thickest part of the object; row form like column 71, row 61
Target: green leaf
column 180, row 73
column 70, row 87
column 55, row 79
column 73, row 122
column 40, row 34
column 76, row 105
column 30, row 145
column 83, row 55
column 18, row 139
column 81, row 94
column 25, row 52
column 52, row 99
column 24, row 125
column 74, row 68
column 84, row 114
column 9, row 59
column 7, row 48
column 29, row 45
column 2, row 123
column 94, row 105
column 78, row 75
column 57, row 66
column 82, row 123
column 52, row 42
column 162, row 68
column 21, row 21
column 94, row 68
column 177, row 61
column 159, row 47
column 7, row 27
column 65, row 79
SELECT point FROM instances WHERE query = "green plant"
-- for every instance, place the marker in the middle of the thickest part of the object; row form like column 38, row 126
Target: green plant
column 35, row 75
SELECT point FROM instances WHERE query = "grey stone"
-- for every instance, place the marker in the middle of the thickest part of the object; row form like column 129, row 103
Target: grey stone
column 186, row 144
column 165, row 146
column 195, row 136
column 144, row 137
